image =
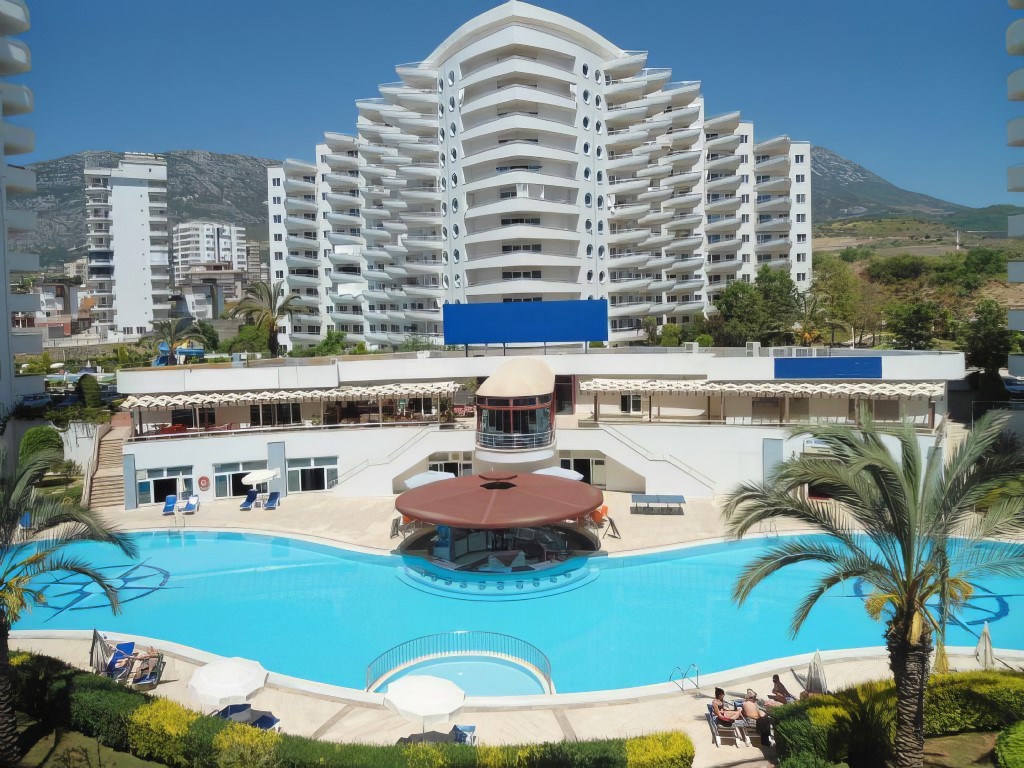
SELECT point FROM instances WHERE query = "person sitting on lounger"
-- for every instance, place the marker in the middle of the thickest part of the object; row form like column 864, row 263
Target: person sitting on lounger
column 779, row 695
column 140, row 664
column 753, row 713
column 723, row 716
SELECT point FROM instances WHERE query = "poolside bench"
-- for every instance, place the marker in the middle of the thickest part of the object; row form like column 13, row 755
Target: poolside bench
column 647, row 504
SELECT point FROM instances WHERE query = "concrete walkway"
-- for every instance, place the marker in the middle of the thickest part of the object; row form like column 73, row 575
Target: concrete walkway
column 313, row 709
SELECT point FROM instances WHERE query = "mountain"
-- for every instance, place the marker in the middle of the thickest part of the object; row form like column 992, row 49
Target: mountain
column 229, row 188
column 232, row 188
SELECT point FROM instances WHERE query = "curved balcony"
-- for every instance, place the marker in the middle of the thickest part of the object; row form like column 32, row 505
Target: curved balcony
column 628, row 185
column 395, row 227
column 340, row 162
column 655, row 194
column 376, row 253
column 723, row 205
column 422, row 218
column 395, row 249
column 625, row 116
column 425, row 291
column 518, row 121
column 654, row 172
column 506, row 66
column 372, row 234
column 626, row 163
column 522, row 204
column 688, row 262
column 299, row 187
column 626, row 310
column 657, row 124
column 688, row 284
column 776, row 263
column 346, row 317
column 683, row 92
column 776, row 146
column 628, row 89
column 728, row 224
column 627, row 211
column 628, row 260
column 775, row 185
column 394, row 203
column 661, row 262
column 629, row 284
column 518, row 150
column 726, row 123
column 302, row 262
column 681, row 139
column 400, row 159
column 682, row 180
column 724, row 184
column 421, row 194
column 423, row 242
column 685, row 307
column 15, row 57
column 424, row 315
column 781, row 224
column 344, row 219
column 522, row 232
column 417, row 74
column 619, row 141
column 509, row 442
column 779, row 203
column 422, row 170
column 344, row 200
column 517, row 94
column 300, row 224
column 296, row 205
column 683, row 118
column 302, row 243
column 678, row 161
column 660, row 285
column 303, row 281
column 684, row 223
column 775, row 244
column 656, row 241
column 341, row 238
column 340, row 142
column 627, row 236
column 722, row 164
column 570, row 288
column 774, row 165
column 627, row 65
column 346, row 278
column 723, row 144
column 728, row 244
column 422, row 101
column 395, row 182
column 16, row 99
column 522, row 259
column 423, row 267
column 653, row 218
column 723, row 266
column 682, row 200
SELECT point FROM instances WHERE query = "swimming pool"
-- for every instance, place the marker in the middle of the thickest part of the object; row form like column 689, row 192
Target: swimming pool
column 323, row 613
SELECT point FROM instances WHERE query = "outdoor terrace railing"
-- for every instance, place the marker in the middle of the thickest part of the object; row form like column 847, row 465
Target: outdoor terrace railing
column 504, row 441
column 459, row 643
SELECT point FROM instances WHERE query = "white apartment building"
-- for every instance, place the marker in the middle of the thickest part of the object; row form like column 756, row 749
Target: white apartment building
column 15, row 99
column 207, row 242
column 128, row 245
column 529, row 159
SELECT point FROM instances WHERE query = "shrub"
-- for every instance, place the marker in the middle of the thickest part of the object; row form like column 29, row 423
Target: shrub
column 89, row 389
column 518, row 756
column 705, row 340
column 297, row 752
column 660, row 750
column 973, row 701
column 1010, row 747
column 807, row 760
column 39, row 439
column 104, row 714
column 242, row 746
column 158, row 729
column 198, row 742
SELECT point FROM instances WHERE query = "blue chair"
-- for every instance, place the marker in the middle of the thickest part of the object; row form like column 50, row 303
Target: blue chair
column 190, row 506
column 464, row 734
column 273, row 500
column 120, row 660
column 25, row 521
column 250, row 499
column 169, row 504
column 245, row 714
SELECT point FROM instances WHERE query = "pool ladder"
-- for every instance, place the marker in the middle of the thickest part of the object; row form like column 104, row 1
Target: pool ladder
column 684, row 676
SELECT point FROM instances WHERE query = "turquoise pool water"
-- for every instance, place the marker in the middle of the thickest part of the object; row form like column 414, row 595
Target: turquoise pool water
column 323, row 613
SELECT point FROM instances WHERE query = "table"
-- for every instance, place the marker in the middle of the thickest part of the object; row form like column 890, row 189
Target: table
column 647, row 504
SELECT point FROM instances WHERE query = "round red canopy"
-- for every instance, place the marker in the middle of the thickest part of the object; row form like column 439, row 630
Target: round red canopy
column 499, row 500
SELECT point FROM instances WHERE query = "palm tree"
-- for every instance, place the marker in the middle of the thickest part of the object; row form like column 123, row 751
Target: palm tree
column 27, row 559
column 174, row 333
column 265, row 306
column 908, row 526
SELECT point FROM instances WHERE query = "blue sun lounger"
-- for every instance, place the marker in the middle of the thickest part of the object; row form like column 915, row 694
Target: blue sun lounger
column 170, row 503
column 250, row 499
column 273, row 500
column 190, row 506
column 120, row 660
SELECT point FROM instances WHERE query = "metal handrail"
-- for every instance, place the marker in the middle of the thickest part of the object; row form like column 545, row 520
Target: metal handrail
column 459, row 643
column 511, row 441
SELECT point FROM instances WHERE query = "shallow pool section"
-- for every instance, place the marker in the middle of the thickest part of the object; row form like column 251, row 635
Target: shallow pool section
column 322, row 613
column 478, row 676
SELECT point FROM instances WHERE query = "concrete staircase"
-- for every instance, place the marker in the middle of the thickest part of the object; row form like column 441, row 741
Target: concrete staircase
column 956, row 433
column 108, row 478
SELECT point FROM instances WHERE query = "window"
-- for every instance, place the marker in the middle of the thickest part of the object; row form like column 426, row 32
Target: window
column 278, row 238
column 277, row 182
column 277, row 218
column 278, row 255
column 524, row 275
column 744, row 198
column 630, row 404
column 743, row 138
column 801, row 257
column 313, row 474
column 534, row 220
column 745, row 218
column 279, row 274
column 801, row 198
column 801, row 217
column 277, row 201
column 798, row 159
column 505, row 193
column 800, row 178
column 801, row 238
column 801, row 276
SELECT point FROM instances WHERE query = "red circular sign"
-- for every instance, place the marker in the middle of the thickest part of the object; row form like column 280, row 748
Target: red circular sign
column 204, row 483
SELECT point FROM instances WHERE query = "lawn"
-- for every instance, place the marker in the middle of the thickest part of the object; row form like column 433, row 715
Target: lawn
column 960, row 751
column 48, row 749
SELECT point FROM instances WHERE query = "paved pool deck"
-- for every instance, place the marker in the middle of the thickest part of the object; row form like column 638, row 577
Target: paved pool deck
column 338, row 714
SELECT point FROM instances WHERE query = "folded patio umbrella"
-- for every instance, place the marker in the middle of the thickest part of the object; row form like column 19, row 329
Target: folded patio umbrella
column 227, row 681
column 426, row 478
column 983, row 652
column 568, row 474
column 424, row 699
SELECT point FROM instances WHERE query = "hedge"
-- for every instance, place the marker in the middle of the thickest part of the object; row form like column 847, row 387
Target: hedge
column 164, row 731
column 1010, row 747
column 821, row 729
column 40, row 439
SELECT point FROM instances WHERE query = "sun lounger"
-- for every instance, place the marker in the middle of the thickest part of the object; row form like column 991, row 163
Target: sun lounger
column 245, row 714
column 721, row 731
column 250, row 499
column 148, row 673
column 464, row 734
column 119, row 663
column 169, row 504
column 273, row 500
column 190, row 506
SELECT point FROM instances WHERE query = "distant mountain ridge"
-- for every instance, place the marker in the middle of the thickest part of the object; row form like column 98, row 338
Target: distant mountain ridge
column 232, row 188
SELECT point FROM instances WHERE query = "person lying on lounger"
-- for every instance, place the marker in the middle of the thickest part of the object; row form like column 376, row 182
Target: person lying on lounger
column 722, row 715
column 753, row 713
column 779, row 695
column 140, row 663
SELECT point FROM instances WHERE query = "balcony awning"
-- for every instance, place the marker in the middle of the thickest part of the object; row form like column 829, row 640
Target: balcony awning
column 911, row 390
column 369, row 393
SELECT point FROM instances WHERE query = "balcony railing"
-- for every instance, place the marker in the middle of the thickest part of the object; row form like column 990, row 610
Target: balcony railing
column 507, row 442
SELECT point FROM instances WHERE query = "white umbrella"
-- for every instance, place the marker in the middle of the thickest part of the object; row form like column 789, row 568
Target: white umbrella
column 424, row 699
column 568, row 474
column 426, row 478
column 227, row 681
column 815, row 682
column 260, row 476
column 983, row 652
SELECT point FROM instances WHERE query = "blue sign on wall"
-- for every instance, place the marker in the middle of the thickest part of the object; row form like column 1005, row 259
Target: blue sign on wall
column 526, row 322
column 828, row 367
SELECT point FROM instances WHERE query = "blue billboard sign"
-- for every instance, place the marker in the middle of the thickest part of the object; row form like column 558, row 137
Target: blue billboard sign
column 526, row 322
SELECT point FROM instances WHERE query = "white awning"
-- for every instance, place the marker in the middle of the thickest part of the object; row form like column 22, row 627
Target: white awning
column 374, row 392
column 925, row 390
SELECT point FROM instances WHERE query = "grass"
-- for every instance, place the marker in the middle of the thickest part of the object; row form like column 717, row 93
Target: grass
column 45, row 748
column 960, row 751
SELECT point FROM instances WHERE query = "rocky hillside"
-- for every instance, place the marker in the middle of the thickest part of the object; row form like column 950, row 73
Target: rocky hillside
column 232, row 188
column 229, row 188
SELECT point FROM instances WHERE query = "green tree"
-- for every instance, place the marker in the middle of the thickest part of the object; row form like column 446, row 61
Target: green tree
column 671, row 335
column 68, row 469
column 868, row 312
column 835, row 286
column 266, row 306
column 987, row 341
column 779, row 298
column 175, row 333
column 41, row 440
column 912, row 324
column 896, row 269
column 89, row 390
column 250, row 338
column 649, row 326
column 904, row 523
column 743, row 318
column 333, row 343
column 211, row 339
column 810, row 320
column 415, row 343
column 30, row 559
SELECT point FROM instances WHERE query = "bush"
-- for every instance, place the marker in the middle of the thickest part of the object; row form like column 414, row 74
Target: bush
column 660, row 750
column 705, row 340
column 242, row 746
column 39, row 439
column 973, row 701
column 198, row 742
column 158, row 730
column 297, row 752
column 104, row 714
column 807, row 760
column 1010, row 747
column 89, row 390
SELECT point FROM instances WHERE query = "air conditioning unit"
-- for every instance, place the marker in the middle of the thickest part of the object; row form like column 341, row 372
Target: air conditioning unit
column 690, row 346
column 753, row 349
column 803, row 352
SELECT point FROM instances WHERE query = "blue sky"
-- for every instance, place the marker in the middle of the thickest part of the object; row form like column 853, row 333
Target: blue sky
column 915, row 90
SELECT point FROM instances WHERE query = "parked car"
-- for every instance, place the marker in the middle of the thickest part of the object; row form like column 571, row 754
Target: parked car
column 1014, row 386
column 35, row 401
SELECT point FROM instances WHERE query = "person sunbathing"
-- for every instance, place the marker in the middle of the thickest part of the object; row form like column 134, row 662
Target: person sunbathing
column 762, row 720
column 722, row 715
column 779, row 695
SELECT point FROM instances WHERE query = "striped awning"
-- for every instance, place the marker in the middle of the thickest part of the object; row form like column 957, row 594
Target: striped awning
column 213, row 399
column 874, row 390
